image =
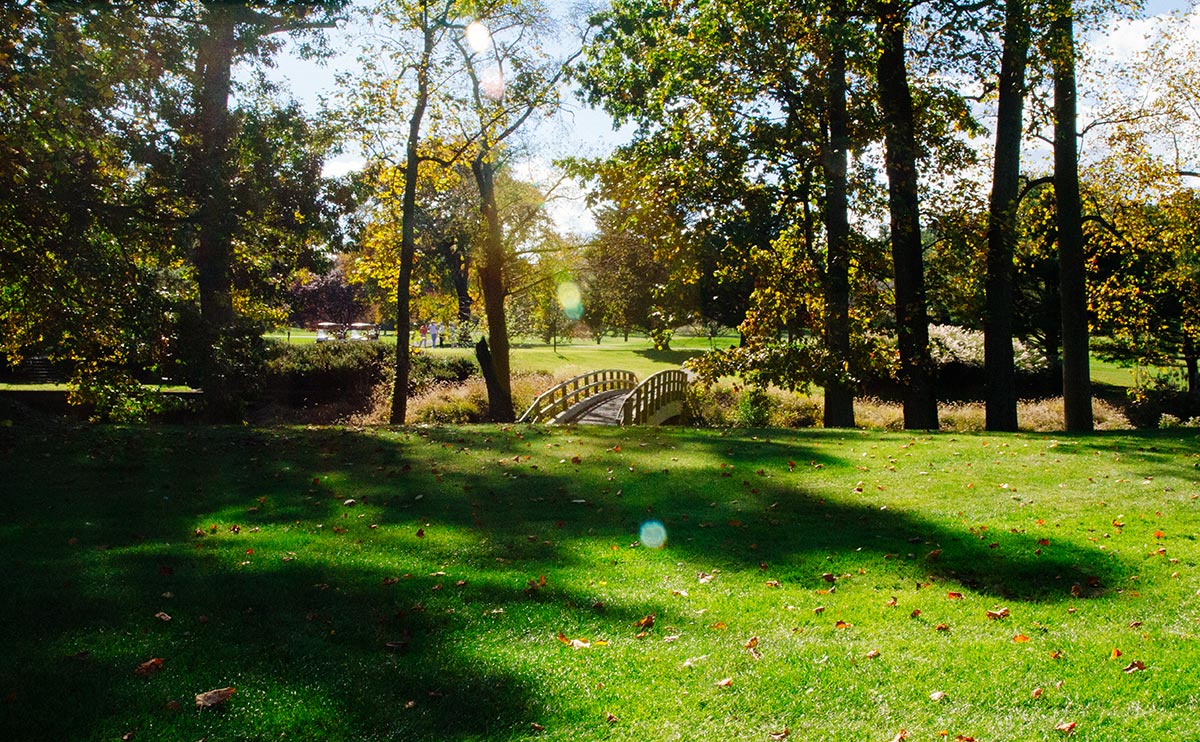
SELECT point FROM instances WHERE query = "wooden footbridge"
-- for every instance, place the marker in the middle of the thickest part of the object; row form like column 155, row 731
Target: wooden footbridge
column 612, row 397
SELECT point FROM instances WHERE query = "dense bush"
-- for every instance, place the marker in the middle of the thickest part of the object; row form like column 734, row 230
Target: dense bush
column 324, row 372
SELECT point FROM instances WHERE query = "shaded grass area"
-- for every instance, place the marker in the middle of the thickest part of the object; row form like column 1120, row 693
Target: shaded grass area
column 419, row 611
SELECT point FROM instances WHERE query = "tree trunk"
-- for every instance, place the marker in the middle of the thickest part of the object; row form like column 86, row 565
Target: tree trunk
column 999, row 367
column 215, row 215
column 1192, row 363
column 839, row 392
column 912, row 321
column 491, row 279
column 408, row 213
column 1076, row 379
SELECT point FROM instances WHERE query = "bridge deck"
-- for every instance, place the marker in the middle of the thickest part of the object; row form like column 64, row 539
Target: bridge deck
column 600, row 409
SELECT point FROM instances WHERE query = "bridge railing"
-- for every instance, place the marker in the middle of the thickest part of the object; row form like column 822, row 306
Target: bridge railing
column 562, row 397
column 657, row 399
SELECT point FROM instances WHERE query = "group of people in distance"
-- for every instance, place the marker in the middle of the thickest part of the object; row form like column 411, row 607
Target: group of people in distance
column 431, row 334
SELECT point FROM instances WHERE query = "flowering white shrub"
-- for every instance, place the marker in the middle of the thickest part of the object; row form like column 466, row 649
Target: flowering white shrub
column 951, row 344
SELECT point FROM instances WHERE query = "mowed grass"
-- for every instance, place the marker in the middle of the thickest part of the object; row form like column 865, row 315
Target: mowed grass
column 810, row 583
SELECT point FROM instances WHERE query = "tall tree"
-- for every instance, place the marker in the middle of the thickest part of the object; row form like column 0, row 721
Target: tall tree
column 1001, row 407
column 1077, row 390
column 899, row 123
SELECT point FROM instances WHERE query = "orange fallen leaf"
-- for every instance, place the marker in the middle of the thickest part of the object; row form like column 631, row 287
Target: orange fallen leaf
column 149, row 667
column 1066, row 727
column 900, row 736
column 211, row 698
column 610, row 718
column 954, row 596
column 819, row 610
column 646, row 622
column 782, row 734
column 1133, row 667
column 891, row 603
column 751, row 643
column 829, row 577
column 1159, row 534
column 773, row 583
column 842, row 625
column 1056, row 654
column 1037, row 692
column 916, row 613
column 1020, row 638
column 998, row 614
column 872, row 654
column 942, row 627
column 1114, row 654
column 724, row 682
column 719, row 626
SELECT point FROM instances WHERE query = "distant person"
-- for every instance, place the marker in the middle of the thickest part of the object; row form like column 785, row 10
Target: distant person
column 434, row 329
column 424, row 331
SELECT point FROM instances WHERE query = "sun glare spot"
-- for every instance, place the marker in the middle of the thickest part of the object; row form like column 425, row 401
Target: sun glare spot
column 653, row 535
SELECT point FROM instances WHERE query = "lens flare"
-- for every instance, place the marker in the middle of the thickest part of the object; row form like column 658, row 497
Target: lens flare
column 478, row 37
column 653, row 535
column 570, row 298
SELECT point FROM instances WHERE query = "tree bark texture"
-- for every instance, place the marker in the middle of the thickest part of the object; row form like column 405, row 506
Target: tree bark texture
column 839, row 392
column 1076, row 379
column 1001, row 403
column 912, row 320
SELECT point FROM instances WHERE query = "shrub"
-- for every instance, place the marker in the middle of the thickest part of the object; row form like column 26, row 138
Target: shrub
column 754, row 407
column 325, row 372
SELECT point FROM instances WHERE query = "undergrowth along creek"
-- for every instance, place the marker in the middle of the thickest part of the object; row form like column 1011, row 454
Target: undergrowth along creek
column 490, row 583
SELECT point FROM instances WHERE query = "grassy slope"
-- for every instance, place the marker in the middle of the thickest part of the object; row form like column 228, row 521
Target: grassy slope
column 296, row 609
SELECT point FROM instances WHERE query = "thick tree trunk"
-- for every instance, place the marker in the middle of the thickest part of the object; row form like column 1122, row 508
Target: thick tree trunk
column 1077, row 387
column 408, row 213
column 1192, row 364
column 215, row 214
column 1001, row 408
column 491, row 279
column 839, row 392
column 912, row 320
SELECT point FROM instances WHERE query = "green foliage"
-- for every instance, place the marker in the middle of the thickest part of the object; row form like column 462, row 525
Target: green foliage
column 325, row 372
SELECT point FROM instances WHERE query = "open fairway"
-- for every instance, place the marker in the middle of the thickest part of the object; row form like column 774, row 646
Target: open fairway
column 488, row 583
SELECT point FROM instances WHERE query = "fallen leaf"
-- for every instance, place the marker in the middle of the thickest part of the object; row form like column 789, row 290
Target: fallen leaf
column 211, row 698
column 724, row 682
column 149, row 668
column 1114, row 654
column 900, row 736
column 842, row 625
column 751, row 643
column 782, row 734
column 872, row 654
column 1056, row 654
column 942, row 627
column 646, row 622
column 829, row 577
column 937, row 695
column 916, row 612
column 162, row 616
column 1037, row 692
column 819, row 610
column 998, row 614
column 891, row 603
column 1020, row 638
column 420, row 533
column 537, row 727
column 1066, row 727
column 610, row 718
column 719, row 626
column 1133, row 667
column 954, row 596
column 704, row 578
column 773, row 583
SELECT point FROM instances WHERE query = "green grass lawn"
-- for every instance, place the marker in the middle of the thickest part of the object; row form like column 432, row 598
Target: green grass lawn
column 821, row 582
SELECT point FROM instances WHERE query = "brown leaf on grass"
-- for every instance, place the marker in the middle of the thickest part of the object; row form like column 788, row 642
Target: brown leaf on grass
column 773, row 583
column 149, row 668
column 751, row 643
column 646, row 622
column 1114, row 654
column 1020, row 639
column 211, row 698
column 934, row 555
column 942, row 627
column 724, row 682
column 537, row 727
column 704, row 578
column 937, row 695
column 420, row 533
column 915, row 614
column 891, row 603
column 1056, row 654
column 842, row 625
column 781, row 734
column 719, row 626
column 610, row 717
column 998, row 614
column 829, row 577
column 1066, row 727
column 162, row 616
column 1037, row 692
column 900, row 736
column 872, row 654
column 954, row 596
column 1133, row 667
column 819, row 610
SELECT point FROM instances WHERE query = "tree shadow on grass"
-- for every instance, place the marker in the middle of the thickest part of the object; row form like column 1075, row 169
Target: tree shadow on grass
column 671, row 356
column 96, row 542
